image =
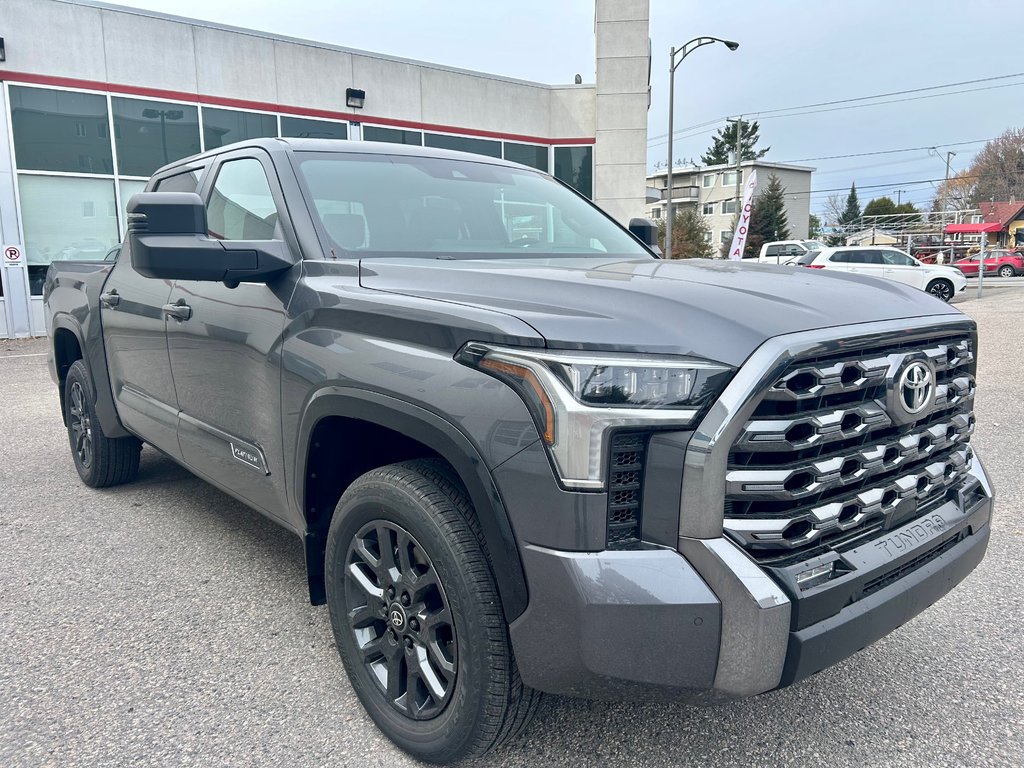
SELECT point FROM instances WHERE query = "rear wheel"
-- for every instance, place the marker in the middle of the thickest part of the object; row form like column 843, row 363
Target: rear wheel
column 1007, row 270
column 941, row 289
column 101, row 461
column 417, row 618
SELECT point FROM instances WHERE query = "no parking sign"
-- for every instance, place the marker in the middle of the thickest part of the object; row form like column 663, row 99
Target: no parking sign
column 12, row 256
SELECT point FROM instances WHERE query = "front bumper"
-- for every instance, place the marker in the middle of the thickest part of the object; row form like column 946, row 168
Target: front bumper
column 712, row 625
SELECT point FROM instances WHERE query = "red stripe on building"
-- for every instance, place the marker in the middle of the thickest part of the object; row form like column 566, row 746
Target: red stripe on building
column 265, row 106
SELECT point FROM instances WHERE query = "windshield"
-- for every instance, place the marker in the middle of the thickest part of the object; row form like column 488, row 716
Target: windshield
column 385, row 205
column 813, row 245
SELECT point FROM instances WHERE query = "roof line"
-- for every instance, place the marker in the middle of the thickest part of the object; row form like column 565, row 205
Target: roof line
column 285, row 109
column 98, row 4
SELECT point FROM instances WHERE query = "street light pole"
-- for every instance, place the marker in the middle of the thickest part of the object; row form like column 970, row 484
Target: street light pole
column 685, row 50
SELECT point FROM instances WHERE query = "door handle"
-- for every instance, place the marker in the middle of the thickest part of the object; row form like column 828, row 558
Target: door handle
column 179, row 310
column 110, row 299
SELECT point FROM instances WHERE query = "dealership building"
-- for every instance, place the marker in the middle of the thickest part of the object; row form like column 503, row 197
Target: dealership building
column 95, row 97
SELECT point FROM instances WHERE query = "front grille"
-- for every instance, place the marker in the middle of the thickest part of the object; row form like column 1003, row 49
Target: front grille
column 881, row 582
column 625, row 485
column 821, row 461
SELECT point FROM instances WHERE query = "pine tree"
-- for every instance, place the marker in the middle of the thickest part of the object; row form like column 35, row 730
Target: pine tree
column 724, row 143
column 768, row 220
column 850, row 214
column 691, row 236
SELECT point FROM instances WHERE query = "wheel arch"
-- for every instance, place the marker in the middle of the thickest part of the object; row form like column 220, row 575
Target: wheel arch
column 422, row 434
column 66, row 348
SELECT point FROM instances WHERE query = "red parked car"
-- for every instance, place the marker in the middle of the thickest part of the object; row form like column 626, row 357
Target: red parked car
column 1002, row 263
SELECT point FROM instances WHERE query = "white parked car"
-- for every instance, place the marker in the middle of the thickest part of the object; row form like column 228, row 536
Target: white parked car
column 782, row 251
column 889, row 263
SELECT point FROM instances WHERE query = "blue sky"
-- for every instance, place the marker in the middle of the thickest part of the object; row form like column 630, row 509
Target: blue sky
column 792, row 52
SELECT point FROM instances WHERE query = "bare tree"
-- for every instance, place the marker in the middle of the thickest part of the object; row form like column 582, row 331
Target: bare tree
column 833, row 209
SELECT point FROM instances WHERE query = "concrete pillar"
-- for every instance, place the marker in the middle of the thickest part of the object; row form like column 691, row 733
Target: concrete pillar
column 621, row 33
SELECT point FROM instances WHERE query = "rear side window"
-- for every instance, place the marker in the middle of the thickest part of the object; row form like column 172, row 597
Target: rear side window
column 180, row 182
column 773, row 250
column 841, row 257
column 241, row 205
column 807, row 258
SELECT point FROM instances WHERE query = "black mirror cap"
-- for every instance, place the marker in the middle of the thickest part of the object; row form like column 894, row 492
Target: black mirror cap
column 166, row 213
column 646, row 231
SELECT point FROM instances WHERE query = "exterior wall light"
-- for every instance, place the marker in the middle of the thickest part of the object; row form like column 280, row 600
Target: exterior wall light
column 354, row 98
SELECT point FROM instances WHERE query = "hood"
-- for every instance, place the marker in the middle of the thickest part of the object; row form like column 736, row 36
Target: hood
column 716, row 310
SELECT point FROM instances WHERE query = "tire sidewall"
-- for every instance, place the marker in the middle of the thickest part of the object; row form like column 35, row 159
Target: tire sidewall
column 443, row 737
column 78, row 373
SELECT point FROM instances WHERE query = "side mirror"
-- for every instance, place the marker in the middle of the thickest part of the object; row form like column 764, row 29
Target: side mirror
column 646, row 231
column 168, row 240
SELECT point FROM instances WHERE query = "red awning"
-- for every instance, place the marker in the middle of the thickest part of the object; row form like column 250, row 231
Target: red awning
column 972, row 229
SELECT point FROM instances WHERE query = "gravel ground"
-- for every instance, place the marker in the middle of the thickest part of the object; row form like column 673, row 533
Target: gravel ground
column 163, row 623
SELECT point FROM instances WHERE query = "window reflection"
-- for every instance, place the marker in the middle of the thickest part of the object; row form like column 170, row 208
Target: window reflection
column 151, row 134
column 527, row 154
column 60, row 131
column 226, row 126
column 575, row 166
column 304, row 128
column 65, row 218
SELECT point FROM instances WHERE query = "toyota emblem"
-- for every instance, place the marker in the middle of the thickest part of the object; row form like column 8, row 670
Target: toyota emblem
column 916, row 387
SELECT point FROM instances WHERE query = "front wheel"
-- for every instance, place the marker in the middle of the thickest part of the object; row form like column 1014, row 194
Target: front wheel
column 101, row 461
column 1007, row 271
column 417, row 617
column 941, row 289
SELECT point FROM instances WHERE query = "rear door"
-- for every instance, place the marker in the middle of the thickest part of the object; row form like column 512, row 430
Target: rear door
column 225, row 343
column 135, row 340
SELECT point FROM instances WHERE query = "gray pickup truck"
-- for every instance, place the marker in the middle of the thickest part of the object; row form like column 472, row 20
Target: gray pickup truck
column 523, row 453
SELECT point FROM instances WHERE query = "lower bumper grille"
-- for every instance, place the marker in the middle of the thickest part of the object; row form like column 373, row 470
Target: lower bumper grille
column 625, row 487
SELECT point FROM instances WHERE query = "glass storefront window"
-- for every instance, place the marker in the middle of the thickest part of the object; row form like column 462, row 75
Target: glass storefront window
column 575, row 166
column 527, row 154
column 129, row 188
column 65, row 218
column 303, row 128
column 226, row 126
column 60, row 131
column 395, row 136
column 463, row 144
column 151, row 134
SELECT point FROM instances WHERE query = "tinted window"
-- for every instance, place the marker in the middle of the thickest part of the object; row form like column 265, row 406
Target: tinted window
column 393, row 135
column 806, row 258
column 527, row 154
column 773, row 250
column 387, row 204
column 574, row 166
column 872, row 257
column 60, row 131
column 226, row 126
column 180, row 182
column 151, row 134
column 463, row 144
column 241, row 204
column 303, row 128
column 841, row 257
column 896, row 259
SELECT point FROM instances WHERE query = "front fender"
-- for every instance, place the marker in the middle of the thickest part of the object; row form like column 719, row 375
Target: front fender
column 450, row 443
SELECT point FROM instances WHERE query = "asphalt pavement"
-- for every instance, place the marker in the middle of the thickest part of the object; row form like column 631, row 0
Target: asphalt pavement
column 162, row 623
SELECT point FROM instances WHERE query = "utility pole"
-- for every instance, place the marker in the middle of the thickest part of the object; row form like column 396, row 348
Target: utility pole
column 945, row 203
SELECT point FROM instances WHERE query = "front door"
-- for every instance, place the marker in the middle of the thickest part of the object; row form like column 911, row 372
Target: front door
column 897, row 266
column 224, row 343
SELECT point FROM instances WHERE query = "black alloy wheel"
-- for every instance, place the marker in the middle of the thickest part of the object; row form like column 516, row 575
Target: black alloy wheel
column 400, row 618
column 101, row 461
column 941, row 289
column 79, row 425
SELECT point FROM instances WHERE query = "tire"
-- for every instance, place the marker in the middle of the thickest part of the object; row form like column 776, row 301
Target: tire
column 451, row 648
column 1007, row 271
column 941, row 289
column 101, row 461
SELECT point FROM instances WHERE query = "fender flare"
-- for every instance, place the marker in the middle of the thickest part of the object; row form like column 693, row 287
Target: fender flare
column 448, row 441
column 95, row 360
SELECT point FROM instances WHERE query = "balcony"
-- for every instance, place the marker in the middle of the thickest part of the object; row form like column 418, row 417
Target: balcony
column 683, row 194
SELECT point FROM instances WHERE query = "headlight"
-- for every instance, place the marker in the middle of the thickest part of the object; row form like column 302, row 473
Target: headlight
column 576, row 398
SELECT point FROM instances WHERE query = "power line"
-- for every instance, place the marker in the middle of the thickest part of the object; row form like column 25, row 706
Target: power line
column 882, row 152
column 851, row 102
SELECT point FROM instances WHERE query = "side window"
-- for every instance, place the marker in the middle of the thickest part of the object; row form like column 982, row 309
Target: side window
column 241, row 205
column 181, row 182
column 873, row 257
column 841, row 257
column 773, row 250
column 896, row 259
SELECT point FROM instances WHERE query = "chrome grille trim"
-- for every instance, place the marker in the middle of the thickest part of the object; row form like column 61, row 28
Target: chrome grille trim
column 702, row 506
